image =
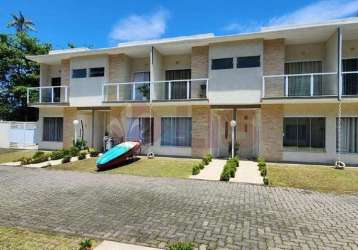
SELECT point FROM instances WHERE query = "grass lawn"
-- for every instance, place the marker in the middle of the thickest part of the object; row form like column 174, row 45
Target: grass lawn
column 316, row 178
column 159, row 167
column 8, row 155
column 14, row 238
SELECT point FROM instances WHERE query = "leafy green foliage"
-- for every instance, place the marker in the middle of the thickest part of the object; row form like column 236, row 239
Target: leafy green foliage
column 181, row 246
column 82, row 154
column 229, row 169
column 66, row 158
column 196, row 170
column 17, row 73
column 74, row 151
column 93, row 152
column 56, row 155
column 86, row 243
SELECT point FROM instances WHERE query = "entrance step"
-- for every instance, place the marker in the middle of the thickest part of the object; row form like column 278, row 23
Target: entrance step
column 248, row 172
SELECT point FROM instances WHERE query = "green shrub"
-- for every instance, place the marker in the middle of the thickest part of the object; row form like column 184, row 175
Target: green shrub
column 86, row 244
column 181, row 246
column 195, row 170
column 93, row 152
column 66, row 152
column 38, row 154
column 74, row 151
column 56, row 155
column 80, row 144
column 266, row 181
column 66, row 158
column 207, row 159
column 201, row 165
column 263, row 172
column 225, row 175
column 38, row 158
column 210, row 157
column 262, row 166
column 82, row 154
column 25, row 160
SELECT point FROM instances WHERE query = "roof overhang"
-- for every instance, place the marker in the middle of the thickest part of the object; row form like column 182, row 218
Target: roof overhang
column 298, row 34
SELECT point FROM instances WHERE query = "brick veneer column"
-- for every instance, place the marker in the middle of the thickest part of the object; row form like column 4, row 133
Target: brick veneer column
column 271, row 132
column 69, row 115
column 200, row 130
column 274, row 64
column 116, row 129
column 65, row 72
column 199, row 62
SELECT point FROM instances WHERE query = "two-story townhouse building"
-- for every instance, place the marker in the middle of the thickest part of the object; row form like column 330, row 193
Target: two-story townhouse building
column 281, row 85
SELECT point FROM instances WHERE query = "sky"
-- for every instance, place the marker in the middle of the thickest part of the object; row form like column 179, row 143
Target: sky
column 104, row 23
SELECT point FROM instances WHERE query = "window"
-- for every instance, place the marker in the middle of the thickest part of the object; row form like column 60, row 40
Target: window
column 348, row 135
column 79, row 73
column 176, row 131
column 52, row 129
column 222, row 63
column 142, row 89
column 304, row 133
column 350, row 80
column 248, row 62
column 301, row 85
column 179, row 88
column 96, row 72
column 141, row 128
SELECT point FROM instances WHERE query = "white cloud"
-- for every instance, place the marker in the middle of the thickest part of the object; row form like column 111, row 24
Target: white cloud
column 141, row 27
column 318, row 12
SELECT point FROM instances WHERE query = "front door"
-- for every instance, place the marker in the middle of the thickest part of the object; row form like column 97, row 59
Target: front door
column 55, row 82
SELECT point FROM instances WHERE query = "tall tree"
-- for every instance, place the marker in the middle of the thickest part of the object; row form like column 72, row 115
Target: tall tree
column 17, row 73
column 20, row 23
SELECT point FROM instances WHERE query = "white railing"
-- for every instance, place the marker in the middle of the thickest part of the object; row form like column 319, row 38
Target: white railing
column 300, row 85
column 47, row 94
column 172, row 90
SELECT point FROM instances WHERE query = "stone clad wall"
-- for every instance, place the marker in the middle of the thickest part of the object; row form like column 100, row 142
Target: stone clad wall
column 200, row 130
column 271, row 132
column 69, row 115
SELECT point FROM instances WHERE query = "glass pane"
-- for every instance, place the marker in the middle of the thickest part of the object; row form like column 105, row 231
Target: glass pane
column 303, row 132
column 290, row 132
column 318, row 132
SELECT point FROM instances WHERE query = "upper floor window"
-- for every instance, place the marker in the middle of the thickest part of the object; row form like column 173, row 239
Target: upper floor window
column 96, row 72
column 248, row 62
column 79, row 73
column 222, row 63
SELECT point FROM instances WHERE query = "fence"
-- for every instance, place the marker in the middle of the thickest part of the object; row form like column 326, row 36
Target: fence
column 17, row 134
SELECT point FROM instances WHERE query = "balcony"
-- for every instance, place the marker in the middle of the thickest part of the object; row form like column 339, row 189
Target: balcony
column 300, row 85
column 47, row 95
column 174, row 90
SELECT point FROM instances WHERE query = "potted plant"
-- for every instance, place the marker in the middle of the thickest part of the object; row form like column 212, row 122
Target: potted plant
column 144, row 90
column 86, row 244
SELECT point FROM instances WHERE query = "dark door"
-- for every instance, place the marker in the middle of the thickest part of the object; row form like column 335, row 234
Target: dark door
column 56, row 81
column 178, row 89
column 350, row 81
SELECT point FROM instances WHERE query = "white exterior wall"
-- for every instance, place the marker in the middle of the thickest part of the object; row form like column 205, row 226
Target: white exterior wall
column 329, row 111
column 47, row 112
column 350, row 49
column 235, row 86
column 175, row 62
column 4, row 134
column 156, row 73
column 87, row 91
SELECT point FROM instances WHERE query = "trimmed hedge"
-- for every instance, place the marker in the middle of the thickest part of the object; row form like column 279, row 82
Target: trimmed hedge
column 229, row 169
column 58, row 154
column 195, row 170
column 263, row 169
column 82, row 154
column 181, row 246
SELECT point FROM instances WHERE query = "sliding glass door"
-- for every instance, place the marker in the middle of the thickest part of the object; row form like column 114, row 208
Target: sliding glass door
column 350, row 80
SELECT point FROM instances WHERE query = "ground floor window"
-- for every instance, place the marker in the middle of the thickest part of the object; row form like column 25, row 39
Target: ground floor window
column 141, row 128
column 348, row 135
column 176, row 131
column 52, row 129
column 304, row 133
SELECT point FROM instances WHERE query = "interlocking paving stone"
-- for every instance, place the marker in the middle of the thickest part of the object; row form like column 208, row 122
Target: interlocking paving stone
column 156, row 211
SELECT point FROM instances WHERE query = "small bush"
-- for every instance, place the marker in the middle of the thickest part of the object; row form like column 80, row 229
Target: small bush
column 40, row 158
column 195, row 170
column 38, row 154
column 80, row 144
column 56, row 155
column 207, row 159
column 93, row 152
column 74, row 151
column 66, row 158
column 86, row 244
column 264, row 172
column 181, row 246
column 266, row 181
column 201, row 165
column 225, row 175
column 82, row 154
column 262, row 167
column 25, row 160
column 210, row 157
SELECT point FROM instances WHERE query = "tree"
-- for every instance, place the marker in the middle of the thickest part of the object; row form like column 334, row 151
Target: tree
column 17, row 73
column 20, row 23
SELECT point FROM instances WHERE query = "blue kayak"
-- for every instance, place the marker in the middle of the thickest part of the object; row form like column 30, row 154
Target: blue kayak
column 117, row 155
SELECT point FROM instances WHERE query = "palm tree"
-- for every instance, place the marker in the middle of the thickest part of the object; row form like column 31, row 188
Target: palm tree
column 20, row 23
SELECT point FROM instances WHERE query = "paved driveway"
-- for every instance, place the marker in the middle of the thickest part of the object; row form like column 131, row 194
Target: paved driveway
column 155, row 211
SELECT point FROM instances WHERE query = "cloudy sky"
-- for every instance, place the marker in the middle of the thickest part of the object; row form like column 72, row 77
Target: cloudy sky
column 106, row 22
